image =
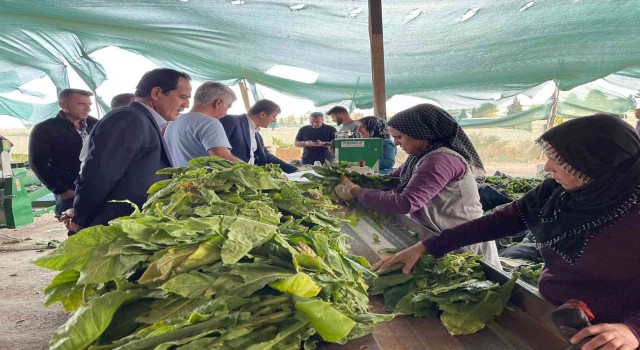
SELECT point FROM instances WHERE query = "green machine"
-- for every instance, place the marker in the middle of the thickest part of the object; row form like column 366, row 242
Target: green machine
column 19, row 192
column 364, row 153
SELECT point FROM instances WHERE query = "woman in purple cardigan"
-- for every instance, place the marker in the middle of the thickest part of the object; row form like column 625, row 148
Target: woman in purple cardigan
column 586, row 223
column 437, row 182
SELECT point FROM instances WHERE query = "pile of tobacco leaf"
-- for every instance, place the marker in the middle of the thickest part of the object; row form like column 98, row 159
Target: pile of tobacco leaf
column 330, row 175
column 514, row 188
column 221, row 256
column 454, row 287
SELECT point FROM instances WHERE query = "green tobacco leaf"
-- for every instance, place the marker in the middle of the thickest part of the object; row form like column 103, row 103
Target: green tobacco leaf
column 309, row 262
column 382, row 283
column 365, row 324
column 468, row 318
column 161, row 269
column 63, row 288
column 90, row 320
column 246, row 176
column 158, row 186
column 255, row 276
column 288, row 338
column 301, row 285
column 331, row 324
column 77, row 250
column 145, row 229
column 104, row 266
column 124, row 320
column 207, row 253
column 190, row 285
column 393, row 295
column 170, row 307
column 418, row 305
column 239, row 242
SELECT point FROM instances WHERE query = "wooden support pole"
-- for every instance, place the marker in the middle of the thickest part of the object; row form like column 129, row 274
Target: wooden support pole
column 245, row 94
column 554, row 108
column 377, row 59
column 552, row 115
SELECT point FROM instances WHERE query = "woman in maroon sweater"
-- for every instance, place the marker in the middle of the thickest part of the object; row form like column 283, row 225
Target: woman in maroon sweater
column 586, row 223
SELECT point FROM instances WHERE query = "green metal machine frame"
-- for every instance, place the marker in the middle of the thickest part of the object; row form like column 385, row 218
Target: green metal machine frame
column 367, row 150
column 20, row 192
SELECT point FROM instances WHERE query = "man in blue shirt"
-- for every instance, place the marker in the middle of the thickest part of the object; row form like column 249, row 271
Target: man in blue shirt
column 199, row 133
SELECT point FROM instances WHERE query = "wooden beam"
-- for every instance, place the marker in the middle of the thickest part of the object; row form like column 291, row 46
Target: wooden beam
column 377, row 59
column 554, row 107
column 245, row 94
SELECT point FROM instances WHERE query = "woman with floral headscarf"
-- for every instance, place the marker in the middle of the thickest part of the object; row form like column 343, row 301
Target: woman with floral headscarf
column 586, row 223
column 437, row 183
column 376, row 127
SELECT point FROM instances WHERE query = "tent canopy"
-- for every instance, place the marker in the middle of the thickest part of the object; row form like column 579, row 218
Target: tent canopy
column 454, row 52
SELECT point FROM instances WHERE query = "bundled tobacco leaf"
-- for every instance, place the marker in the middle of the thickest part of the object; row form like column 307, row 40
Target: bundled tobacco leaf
column 515, row 188
column 221, row 256
column 330, row 175
column 454, row 287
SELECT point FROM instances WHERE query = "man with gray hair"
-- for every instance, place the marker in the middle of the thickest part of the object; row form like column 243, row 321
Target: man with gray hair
column 199, row 133
column 55, row 144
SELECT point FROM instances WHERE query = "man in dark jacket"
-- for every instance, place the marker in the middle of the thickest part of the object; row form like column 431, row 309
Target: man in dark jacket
column 243, row 133
column 54, row 146
column 126, row 149
column 316, row 140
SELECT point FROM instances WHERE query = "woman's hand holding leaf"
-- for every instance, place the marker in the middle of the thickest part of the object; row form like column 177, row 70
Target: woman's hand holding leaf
column 613, row 336
column 347, row 190
column 408, row 257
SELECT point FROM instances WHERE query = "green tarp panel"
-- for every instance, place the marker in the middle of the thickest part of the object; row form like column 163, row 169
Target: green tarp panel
column 432, row 47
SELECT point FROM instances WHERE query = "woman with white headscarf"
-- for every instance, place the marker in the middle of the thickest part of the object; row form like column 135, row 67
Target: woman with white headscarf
column 437, row 182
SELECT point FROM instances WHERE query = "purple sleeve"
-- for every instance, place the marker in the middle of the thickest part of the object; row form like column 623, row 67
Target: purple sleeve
column 432, row 174
column 633, row 322
column 395, row 172
column 504, row 222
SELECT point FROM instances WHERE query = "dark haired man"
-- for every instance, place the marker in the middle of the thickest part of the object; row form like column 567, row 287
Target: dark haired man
column 126, row 149
column 54, row 145
column 316, row 140
column 122, row 100
column 243, row 133
column 341, row 116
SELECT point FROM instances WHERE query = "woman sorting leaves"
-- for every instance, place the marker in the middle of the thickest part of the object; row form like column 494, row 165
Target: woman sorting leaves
column 586, row 223
column 375, row 127
column 437, row 185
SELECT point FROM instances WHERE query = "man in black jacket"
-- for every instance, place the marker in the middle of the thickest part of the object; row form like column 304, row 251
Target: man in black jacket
column 54, row 145
column 243, row 133
column 126, row 149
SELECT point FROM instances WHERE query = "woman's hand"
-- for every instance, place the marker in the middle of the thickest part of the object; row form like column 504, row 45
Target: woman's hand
column 347, row 190
column 408, row 257
column 607, row 336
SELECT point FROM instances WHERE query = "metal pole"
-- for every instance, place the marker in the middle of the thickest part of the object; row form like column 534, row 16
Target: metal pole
column 377, row 59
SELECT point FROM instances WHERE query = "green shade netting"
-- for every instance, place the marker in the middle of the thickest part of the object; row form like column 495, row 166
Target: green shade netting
column 505, row 48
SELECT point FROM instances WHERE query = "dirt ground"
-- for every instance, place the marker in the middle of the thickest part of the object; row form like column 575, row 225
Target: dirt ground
column 25, row 324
